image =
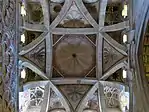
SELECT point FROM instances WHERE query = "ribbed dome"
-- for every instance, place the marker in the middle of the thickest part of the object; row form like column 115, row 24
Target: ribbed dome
column 74, row 55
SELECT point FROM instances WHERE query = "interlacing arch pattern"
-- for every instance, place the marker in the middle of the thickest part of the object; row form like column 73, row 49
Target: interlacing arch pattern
column 97, row 95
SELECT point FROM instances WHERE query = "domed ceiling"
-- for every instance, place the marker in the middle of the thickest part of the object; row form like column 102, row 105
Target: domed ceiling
column 74, row 57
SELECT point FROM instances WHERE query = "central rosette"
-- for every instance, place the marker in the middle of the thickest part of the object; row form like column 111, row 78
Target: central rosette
column 74, row 55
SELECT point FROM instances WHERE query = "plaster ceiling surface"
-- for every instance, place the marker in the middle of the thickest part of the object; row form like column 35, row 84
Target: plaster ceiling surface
column 74, row 55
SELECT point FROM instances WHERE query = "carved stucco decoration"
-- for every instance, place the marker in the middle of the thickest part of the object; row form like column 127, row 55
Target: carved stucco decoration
column 42, row 91
column 37, row 55
column 9, row 53
column 9, row 68
column 71, row 53
column 35, row 13
column 113, row 93
column 92, row 102
column 117, row 76
column 55, row 102
column 107, row 55
column 110, row 56
column 36, row 96
column 8, row 12
column 74, row 16
column 74, row 93
column 9, row 59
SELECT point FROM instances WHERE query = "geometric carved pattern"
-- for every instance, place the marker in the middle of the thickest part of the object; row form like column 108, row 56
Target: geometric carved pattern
column 113, row 96
column 117, row 76
column 110, row 56
column 92, row 102
column 74, row 93
column 74, row 18
column 34, row 99
column 55, row 102
column 37, row 55
column 36, row 96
